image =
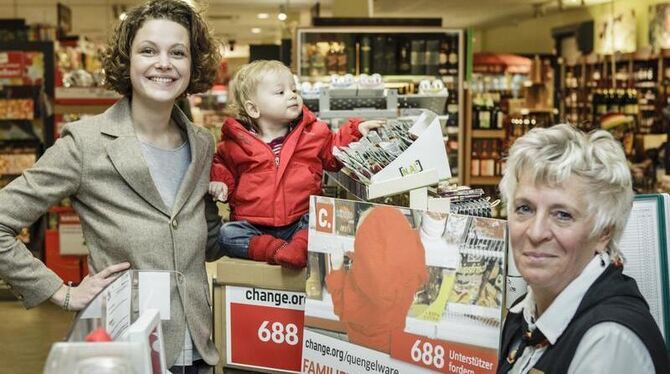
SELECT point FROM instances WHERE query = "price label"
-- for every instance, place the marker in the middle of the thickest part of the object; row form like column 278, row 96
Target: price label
column 442, row 356
column 280, row 334
column 264, row 336
column 428, row 354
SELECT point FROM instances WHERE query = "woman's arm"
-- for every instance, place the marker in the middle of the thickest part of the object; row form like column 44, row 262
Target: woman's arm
column 610, row 347
column 56, row 175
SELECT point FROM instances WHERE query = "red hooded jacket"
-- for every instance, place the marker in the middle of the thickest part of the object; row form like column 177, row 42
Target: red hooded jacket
column 373, row 298
column 270, row 192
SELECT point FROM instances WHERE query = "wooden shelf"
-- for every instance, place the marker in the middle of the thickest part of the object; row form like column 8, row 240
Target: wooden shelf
column 84, row 100
column 484, row 181
column 81, row 108
column 488, row 134
column 526, row 111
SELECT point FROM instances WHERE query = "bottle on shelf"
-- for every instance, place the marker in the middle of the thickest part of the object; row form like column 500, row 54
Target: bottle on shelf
column 349, row 55
column 332, row 58
column 390, row 55
column 452, row 108
column 443, row 56
column 418, row 57
column 474, row 160
column 404, row 56
column 485, row 112
column 342, row 66
column 317, row 62
column 366, row 55
column 305, row 57
column 495, row 155
column 452, row 154
column 486, row 162
column 378, row 59
column 476, row 109
column 630, row 106
column 453, row 55
column 432, row 57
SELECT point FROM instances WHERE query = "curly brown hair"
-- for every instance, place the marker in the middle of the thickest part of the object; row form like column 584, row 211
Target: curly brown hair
column 205, row 55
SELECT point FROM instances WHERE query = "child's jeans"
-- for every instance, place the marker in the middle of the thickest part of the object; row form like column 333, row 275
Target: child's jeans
column 234, row 236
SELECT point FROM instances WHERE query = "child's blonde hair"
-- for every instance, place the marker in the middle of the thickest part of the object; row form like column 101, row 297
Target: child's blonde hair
column 243, row 86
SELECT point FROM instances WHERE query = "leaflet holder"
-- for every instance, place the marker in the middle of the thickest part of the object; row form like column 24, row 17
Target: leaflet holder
column 134, row 310
column 423, row 164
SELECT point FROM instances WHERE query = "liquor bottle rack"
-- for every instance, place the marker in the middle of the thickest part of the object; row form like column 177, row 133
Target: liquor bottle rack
column 629, row 84
column 404, row 56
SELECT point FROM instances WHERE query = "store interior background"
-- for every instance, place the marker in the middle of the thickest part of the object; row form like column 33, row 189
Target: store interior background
column 499, row 27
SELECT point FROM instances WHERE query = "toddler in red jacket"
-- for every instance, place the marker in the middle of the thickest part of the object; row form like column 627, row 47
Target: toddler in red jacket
column 270, row 160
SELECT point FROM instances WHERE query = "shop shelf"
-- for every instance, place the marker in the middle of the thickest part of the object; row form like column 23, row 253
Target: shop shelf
column 84, row 100
column 487, row 134
column 485, row 181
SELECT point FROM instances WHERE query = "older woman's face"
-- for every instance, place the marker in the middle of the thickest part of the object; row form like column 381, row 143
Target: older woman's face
column 549, row 232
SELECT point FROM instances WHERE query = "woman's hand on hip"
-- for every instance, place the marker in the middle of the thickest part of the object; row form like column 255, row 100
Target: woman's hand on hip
column 89, row 287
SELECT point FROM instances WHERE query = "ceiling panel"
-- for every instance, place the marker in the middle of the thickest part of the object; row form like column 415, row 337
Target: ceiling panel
column 234, row 19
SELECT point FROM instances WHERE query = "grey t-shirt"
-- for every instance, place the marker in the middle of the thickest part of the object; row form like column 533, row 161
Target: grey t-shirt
column 167, row 167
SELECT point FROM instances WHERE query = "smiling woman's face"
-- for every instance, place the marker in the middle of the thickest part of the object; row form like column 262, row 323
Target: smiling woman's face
column 160, row 61
column 549, row 232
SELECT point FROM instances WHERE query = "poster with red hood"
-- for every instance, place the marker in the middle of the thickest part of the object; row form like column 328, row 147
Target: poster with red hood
column 396, row 290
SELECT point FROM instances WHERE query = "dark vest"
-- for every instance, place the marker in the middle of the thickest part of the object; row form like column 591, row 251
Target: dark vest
column 613, row 297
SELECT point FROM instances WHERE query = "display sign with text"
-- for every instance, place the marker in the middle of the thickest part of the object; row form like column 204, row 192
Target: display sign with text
column 396, row 290
column 264, row 328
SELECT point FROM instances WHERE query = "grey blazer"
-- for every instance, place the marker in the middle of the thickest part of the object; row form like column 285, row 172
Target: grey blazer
column 98, row 162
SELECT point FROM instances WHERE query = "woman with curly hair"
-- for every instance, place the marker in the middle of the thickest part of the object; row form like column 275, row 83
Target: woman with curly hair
column 137, row 175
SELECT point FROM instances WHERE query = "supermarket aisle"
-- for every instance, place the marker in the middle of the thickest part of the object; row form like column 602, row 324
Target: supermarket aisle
column 26, row 335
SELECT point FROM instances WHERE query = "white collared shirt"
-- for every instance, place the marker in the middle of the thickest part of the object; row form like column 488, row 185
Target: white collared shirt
column 607, row 347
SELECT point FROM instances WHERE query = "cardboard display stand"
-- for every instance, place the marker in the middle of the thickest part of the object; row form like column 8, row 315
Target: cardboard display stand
column 424, row 163
column 258, row 316
column 398, row 290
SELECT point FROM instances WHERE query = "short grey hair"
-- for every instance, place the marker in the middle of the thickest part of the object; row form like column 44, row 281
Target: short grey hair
column 552, row 155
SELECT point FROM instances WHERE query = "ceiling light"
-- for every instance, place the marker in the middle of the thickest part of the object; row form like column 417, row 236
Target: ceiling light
column 256, row 30
column 263, row 16
column 282, row 13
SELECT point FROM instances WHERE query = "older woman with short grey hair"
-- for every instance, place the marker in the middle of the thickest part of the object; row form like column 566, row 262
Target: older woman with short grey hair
column 568, row 198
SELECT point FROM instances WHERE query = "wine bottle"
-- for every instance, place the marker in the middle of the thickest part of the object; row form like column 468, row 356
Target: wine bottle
column 366, row 55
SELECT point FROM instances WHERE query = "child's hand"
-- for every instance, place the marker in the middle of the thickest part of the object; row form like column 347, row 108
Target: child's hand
column 218, row 190
column 365, row 126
